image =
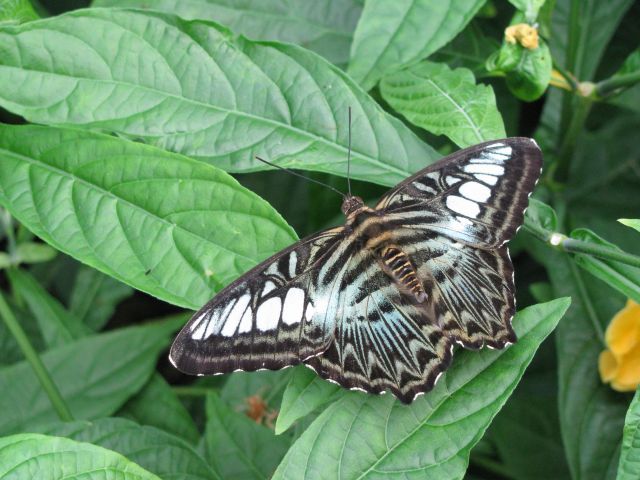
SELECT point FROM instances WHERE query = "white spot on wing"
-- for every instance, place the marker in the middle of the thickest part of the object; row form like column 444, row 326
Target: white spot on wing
column 268, row 314
column 451, row 180
column 475, row 191
column 488, row 179
column 199, row 326
column 487, row 168
column 504, row 150
column 293, row 258
column 246, row 321
column 293, row 306
column 268, row 287
column 308, row 313
column 463, row 206
column 233, row 320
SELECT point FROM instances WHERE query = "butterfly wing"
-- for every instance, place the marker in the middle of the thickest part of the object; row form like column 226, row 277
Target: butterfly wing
column 476, row 196
column 453, row 219
column 274, row 316
column 384, row 339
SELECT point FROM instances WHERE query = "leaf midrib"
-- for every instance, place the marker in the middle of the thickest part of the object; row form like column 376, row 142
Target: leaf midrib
column 106, row 193
column 386, row 168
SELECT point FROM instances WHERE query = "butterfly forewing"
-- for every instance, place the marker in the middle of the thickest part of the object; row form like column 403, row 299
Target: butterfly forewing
column 377, row 304
column 274, row 316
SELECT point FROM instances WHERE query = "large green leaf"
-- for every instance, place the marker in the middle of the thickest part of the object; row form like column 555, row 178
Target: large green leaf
column 95, row 376
column 50, row 458
column 324, row 26
column 238, row 447
column 629, row 466
column 58, row 326
column 445, row 102
column 591, row 414
column 631, row 222
column 305, row 392
column 157, row 405
column 173, row 227
column 391, row 35
column 362, row 436
column 163, row 454
column 196, row 88
column 95, row 296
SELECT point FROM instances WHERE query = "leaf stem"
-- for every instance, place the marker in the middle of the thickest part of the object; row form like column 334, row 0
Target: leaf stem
column 611, row 86
column 563, row 243
column 34, row 360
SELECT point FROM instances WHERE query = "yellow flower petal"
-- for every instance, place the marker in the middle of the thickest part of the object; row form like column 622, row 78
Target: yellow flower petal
column 607, row 366
column 629, row 368
column 623, row 387
column 522, row 33
column 623, row 333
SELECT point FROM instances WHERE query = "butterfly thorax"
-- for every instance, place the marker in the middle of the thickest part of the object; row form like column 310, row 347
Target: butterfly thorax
column 370, row 232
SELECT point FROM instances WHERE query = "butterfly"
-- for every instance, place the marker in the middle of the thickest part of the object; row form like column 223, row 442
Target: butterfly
column 378, row 303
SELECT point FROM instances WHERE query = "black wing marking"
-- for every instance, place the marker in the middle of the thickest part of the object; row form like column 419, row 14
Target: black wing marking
column 276, row 315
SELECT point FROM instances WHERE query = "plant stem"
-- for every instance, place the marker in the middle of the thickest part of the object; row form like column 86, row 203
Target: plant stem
column 34, row 360
column 571, row 245
column 610, row 86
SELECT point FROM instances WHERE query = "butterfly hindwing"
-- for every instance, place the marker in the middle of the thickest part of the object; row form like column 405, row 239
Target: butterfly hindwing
column 274, row 316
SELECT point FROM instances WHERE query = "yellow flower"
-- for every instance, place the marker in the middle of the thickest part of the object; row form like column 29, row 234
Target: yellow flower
column 620, row 363
column 522, row 33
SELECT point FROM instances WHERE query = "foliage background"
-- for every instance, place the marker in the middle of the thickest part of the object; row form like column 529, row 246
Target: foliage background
column 134, row 116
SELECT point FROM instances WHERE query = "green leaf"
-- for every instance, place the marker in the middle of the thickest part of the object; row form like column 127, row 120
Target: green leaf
column 58, row 326
column 167, row 456
column 445, row 102
column 624, row 278
column 527, row 72
column 95, row 376
column 542, row 215
column 144, row 216
column 95, row 296
column 32, row 252
column 530, row 8
column 362, row 436
column 203, row 92
column 267, row 385
column 391, row 35
column 10, row 352
column 629, row 222
column 585, row 38
column 591, row 414
column 16, row 11
column 305, row 393
column 157, row 405
column 324, row 26
column 629, row 466
column 31, row 455
column 236, row 446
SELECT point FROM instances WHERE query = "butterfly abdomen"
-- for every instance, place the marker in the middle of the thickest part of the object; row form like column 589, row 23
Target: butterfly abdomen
column 401, row 269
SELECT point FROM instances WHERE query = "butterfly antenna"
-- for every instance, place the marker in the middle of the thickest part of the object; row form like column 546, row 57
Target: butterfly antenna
column 296, row 174
column 349, row 156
